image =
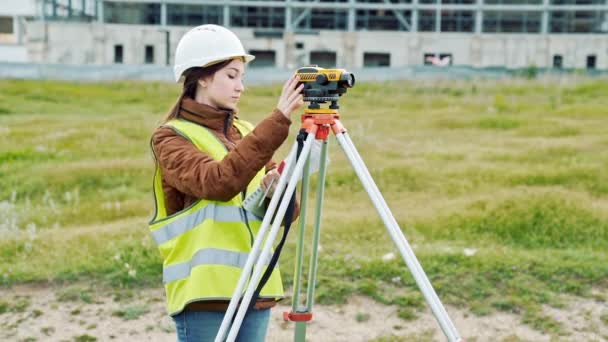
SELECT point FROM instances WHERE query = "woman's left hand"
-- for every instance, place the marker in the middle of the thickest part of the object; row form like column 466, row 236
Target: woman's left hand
column 270, row 179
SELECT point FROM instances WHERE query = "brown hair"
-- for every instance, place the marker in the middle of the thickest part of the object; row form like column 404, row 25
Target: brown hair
column 192, row 76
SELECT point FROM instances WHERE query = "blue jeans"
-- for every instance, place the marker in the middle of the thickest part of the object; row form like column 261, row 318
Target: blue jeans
column 202, row 326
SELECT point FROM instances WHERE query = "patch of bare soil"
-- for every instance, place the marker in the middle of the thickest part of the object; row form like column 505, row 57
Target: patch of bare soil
column 35, row 313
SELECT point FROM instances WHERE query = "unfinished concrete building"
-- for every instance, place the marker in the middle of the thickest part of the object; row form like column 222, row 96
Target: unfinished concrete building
column 345, row 33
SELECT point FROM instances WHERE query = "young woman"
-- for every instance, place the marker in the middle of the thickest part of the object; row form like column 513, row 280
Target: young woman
column 207, row 160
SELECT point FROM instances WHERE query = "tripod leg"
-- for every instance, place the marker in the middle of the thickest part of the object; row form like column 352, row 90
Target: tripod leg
column 300, row 333
column 260, row 263
column 297, row 274
column 397, row 235
column 255, row 249
column 312, row 274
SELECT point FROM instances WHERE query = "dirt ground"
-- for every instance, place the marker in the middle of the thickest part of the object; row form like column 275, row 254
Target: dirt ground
column 34, row 313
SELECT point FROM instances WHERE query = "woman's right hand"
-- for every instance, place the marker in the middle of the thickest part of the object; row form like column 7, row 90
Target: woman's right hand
column 290, row 98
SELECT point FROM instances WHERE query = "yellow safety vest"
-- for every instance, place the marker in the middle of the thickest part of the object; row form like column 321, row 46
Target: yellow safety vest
column 205, row 246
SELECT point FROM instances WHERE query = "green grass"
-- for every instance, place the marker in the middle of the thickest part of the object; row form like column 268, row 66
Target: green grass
column 131, row 312
column 514, row 170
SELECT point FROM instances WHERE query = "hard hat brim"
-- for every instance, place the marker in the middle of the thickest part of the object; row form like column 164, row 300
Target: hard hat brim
column 248, row 58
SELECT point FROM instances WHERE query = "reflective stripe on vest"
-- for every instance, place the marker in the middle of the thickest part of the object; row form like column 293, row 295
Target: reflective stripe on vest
column 208, row 256
column 205, row 246
column 212, row 211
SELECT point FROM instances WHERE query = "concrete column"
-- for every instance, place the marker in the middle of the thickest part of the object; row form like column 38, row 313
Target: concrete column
column 100, row 11
column 288, row 16
column 163, row 14
column 166, row 32
column 544, row 24
column 226, row 19
column 289, row 60
column 604, row 26
column 289, row 37
column 167, row 47
column 351, row 16
column 350, row 51
column 438, row 17
column 437, row 28
column 414, row 21
column 17, row 29
column 479, row 17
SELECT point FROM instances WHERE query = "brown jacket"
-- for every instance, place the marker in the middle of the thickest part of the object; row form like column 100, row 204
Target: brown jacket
column 189, row 174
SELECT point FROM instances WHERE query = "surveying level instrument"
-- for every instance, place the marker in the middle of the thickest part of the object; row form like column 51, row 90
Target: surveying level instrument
column 321, row 86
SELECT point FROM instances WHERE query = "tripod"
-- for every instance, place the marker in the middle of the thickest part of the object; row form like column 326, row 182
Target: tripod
column 316, row 124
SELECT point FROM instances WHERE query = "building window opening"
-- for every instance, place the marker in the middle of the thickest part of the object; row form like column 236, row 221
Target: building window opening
column 373, row 59
column 149, row 54
column 575, row 22
column 118, row 54
column 324, row 59
column 511, row 22
column 193, row 15
column 371, row 19
column 441, row 59
column 131, row 13
column 457, row 21
column 6, row 25
column 426, row 20
column 591, row 60
column 558, row 61
column 257, row 17
column 320, row 19
column 7, row 34
column 263, row 58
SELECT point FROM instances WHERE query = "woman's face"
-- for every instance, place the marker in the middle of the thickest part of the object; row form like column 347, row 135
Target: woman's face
column 225, row 87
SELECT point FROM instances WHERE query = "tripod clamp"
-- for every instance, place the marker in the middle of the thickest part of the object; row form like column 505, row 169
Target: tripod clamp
column 297, row 316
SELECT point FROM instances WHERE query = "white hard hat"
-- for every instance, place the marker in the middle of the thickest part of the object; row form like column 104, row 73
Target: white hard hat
column 205, row 45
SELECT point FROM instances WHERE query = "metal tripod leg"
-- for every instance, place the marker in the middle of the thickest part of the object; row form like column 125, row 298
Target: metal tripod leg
column 255, row 250
column 297, row 274
column 398, row 238
column 265, row 254
column 300, row 330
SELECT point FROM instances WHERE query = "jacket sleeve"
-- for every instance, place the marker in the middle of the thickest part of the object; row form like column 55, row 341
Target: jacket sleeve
column 195, row 173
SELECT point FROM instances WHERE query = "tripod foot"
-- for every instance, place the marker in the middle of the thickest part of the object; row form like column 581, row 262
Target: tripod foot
column 297, row 316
